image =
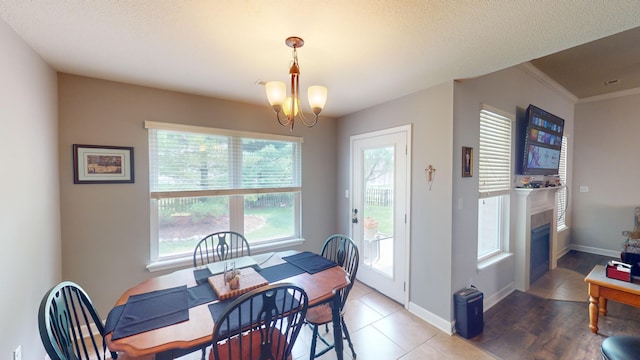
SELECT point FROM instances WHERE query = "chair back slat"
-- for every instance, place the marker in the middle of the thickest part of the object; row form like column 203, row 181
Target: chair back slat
column 343, row 250
column 261, row 324
column 219, row 246
column 70, row 327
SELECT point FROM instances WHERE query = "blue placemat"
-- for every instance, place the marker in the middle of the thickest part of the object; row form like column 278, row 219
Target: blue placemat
column 112, row 318
column 279, row 272
column 149, row 311
column 310, row 262
column 196, row 295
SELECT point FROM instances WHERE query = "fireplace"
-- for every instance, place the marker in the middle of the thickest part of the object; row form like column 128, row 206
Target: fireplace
column 535, row 234
column 539, row 255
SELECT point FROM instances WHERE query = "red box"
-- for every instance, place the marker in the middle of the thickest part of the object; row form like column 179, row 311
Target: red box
column 619, row 271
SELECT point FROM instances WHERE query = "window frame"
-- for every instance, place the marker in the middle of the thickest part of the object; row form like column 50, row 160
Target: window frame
column 235, row 192
column 561, row 194
column 495, row 171
column 503, row 227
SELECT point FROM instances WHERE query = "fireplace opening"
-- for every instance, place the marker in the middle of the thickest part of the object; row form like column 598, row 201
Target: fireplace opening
column 539, row 255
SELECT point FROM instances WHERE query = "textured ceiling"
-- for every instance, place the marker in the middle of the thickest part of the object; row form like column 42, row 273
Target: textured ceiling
column 365, row 51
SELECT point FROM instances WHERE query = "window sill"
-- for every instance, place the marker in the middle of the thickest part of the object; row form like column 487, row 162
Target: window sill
column 187, row 261
column 494, row 260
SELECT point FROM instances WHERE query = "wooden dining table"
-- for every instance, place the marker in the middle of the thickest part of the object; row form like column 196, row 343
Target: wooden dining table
column 170, row 342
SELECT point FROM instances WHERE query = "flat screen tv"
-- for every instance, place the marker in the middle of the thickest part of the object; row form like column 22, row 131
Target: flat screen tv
column 542, row 142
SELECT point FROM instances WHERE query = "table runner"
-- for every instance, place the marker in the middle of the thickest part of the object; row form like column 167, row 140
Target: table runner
column 279, row 272
column 202, row 275
column 201, row 294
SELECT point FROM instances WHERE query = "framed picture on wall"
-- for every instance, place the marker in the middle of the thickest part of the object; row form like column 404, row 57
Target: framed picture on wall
column 98, row 164
column 467, row 161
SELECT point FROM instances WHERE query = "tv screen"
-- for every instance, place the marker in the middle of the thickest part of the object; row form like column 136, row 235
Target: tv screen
column 543, row 142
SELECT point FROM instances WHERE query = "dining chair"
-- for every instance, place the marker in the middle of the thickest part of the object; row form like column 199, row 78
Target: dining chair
column 261, row 324
column 342, row 250
column 65, row 320
column 221, row 245
column 620, row 347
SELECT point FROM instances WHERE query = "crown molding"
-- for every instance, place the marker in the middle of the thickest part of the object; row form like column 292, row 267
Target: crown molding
column 545, row 80
column 609, row 96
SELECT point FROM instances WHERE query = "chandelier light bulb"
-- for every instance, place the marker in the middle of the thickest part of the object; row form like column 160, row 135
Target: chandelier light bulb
column 276, row 93
column 289, row 104
column 317, row 98
column 287, row 107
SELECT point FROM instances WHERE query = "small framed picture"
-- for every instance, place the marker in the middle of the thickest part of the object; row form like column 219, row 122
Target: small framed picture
column 97, row 164
column 467, row 161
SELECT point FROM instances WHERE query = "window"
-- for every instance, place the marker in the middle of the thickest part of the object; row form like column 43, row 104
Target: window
column 204, row 180
column 561, row 195
column 494, row 176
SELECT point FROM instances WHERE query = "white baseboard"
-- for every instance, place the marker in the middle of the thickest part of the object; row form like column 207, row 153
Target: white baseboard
column 563, row 252
column 448, row 327
column 597, row 251
column 433, row 319
column 499, row 295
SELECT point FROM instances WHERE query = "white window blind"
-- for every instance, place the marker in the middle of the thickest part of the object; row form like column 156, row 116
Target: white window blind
column 185, row 159
column 561, row 195
column 494, row 154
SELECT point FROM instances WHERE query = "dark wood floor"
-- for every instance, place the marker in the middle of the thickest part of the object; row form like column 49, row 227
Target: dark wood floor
column 524, row 326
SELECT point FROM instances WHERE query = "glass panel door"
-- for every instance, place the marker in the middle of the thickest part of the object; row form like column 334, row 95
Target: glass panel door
column 380, row 189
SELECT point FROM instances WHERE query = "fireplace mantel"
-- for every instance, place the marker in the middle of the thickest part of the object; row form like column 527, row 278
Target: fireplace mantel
column 529, row 202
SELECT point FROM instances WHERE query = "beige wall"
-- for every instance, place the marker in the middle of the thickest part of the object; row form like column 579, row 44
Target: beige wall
column 105, row 227
column 29, row 215
column 510, row 90
column 605, row 162
column 430, row 113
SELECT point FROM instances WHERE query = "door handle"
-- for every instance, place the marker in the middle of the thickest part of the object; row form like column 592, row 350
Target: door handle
column 354, row 216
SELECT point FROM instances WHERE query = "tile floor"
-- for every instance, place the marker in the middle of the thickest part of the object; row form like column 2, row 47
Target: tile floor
column 382, row 329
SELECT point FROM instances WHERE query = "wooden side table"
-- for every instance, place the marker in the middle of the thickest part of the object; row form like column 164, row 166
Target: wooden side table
column 602, row 289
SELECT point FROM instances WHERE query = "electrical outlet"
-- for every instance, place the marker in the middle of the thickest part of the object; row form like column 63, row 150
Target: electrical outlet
column 17, row 353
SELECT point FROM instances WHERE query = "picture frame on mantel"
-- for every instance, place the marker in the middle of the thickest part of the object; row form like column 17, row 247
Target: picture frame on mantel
column 100, row 164
column 467, row 161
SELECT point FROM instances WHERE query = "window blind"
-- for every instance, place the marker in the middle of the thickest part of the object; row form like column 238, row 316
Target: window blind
column 561, row 195
column 183, row 161
column 494, row 154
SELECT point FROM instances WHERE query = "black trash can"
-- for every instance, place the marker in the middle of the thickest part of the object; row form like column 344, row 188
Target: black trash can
column 468, row 312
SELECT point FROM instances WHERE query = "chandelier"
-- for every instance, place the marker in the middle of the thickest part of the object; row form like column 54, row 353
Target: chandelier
column 290, row 105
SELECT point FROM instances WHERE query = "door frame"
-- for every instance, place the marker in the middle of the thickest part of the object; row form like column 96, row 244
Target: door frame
column 407, row 129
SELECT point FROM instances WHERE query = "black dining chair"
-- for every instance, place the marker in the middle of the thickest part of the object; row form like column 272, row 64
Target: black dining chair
column 65, row 320
column 220, row 246
column 261, row 324
column 342, row 250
